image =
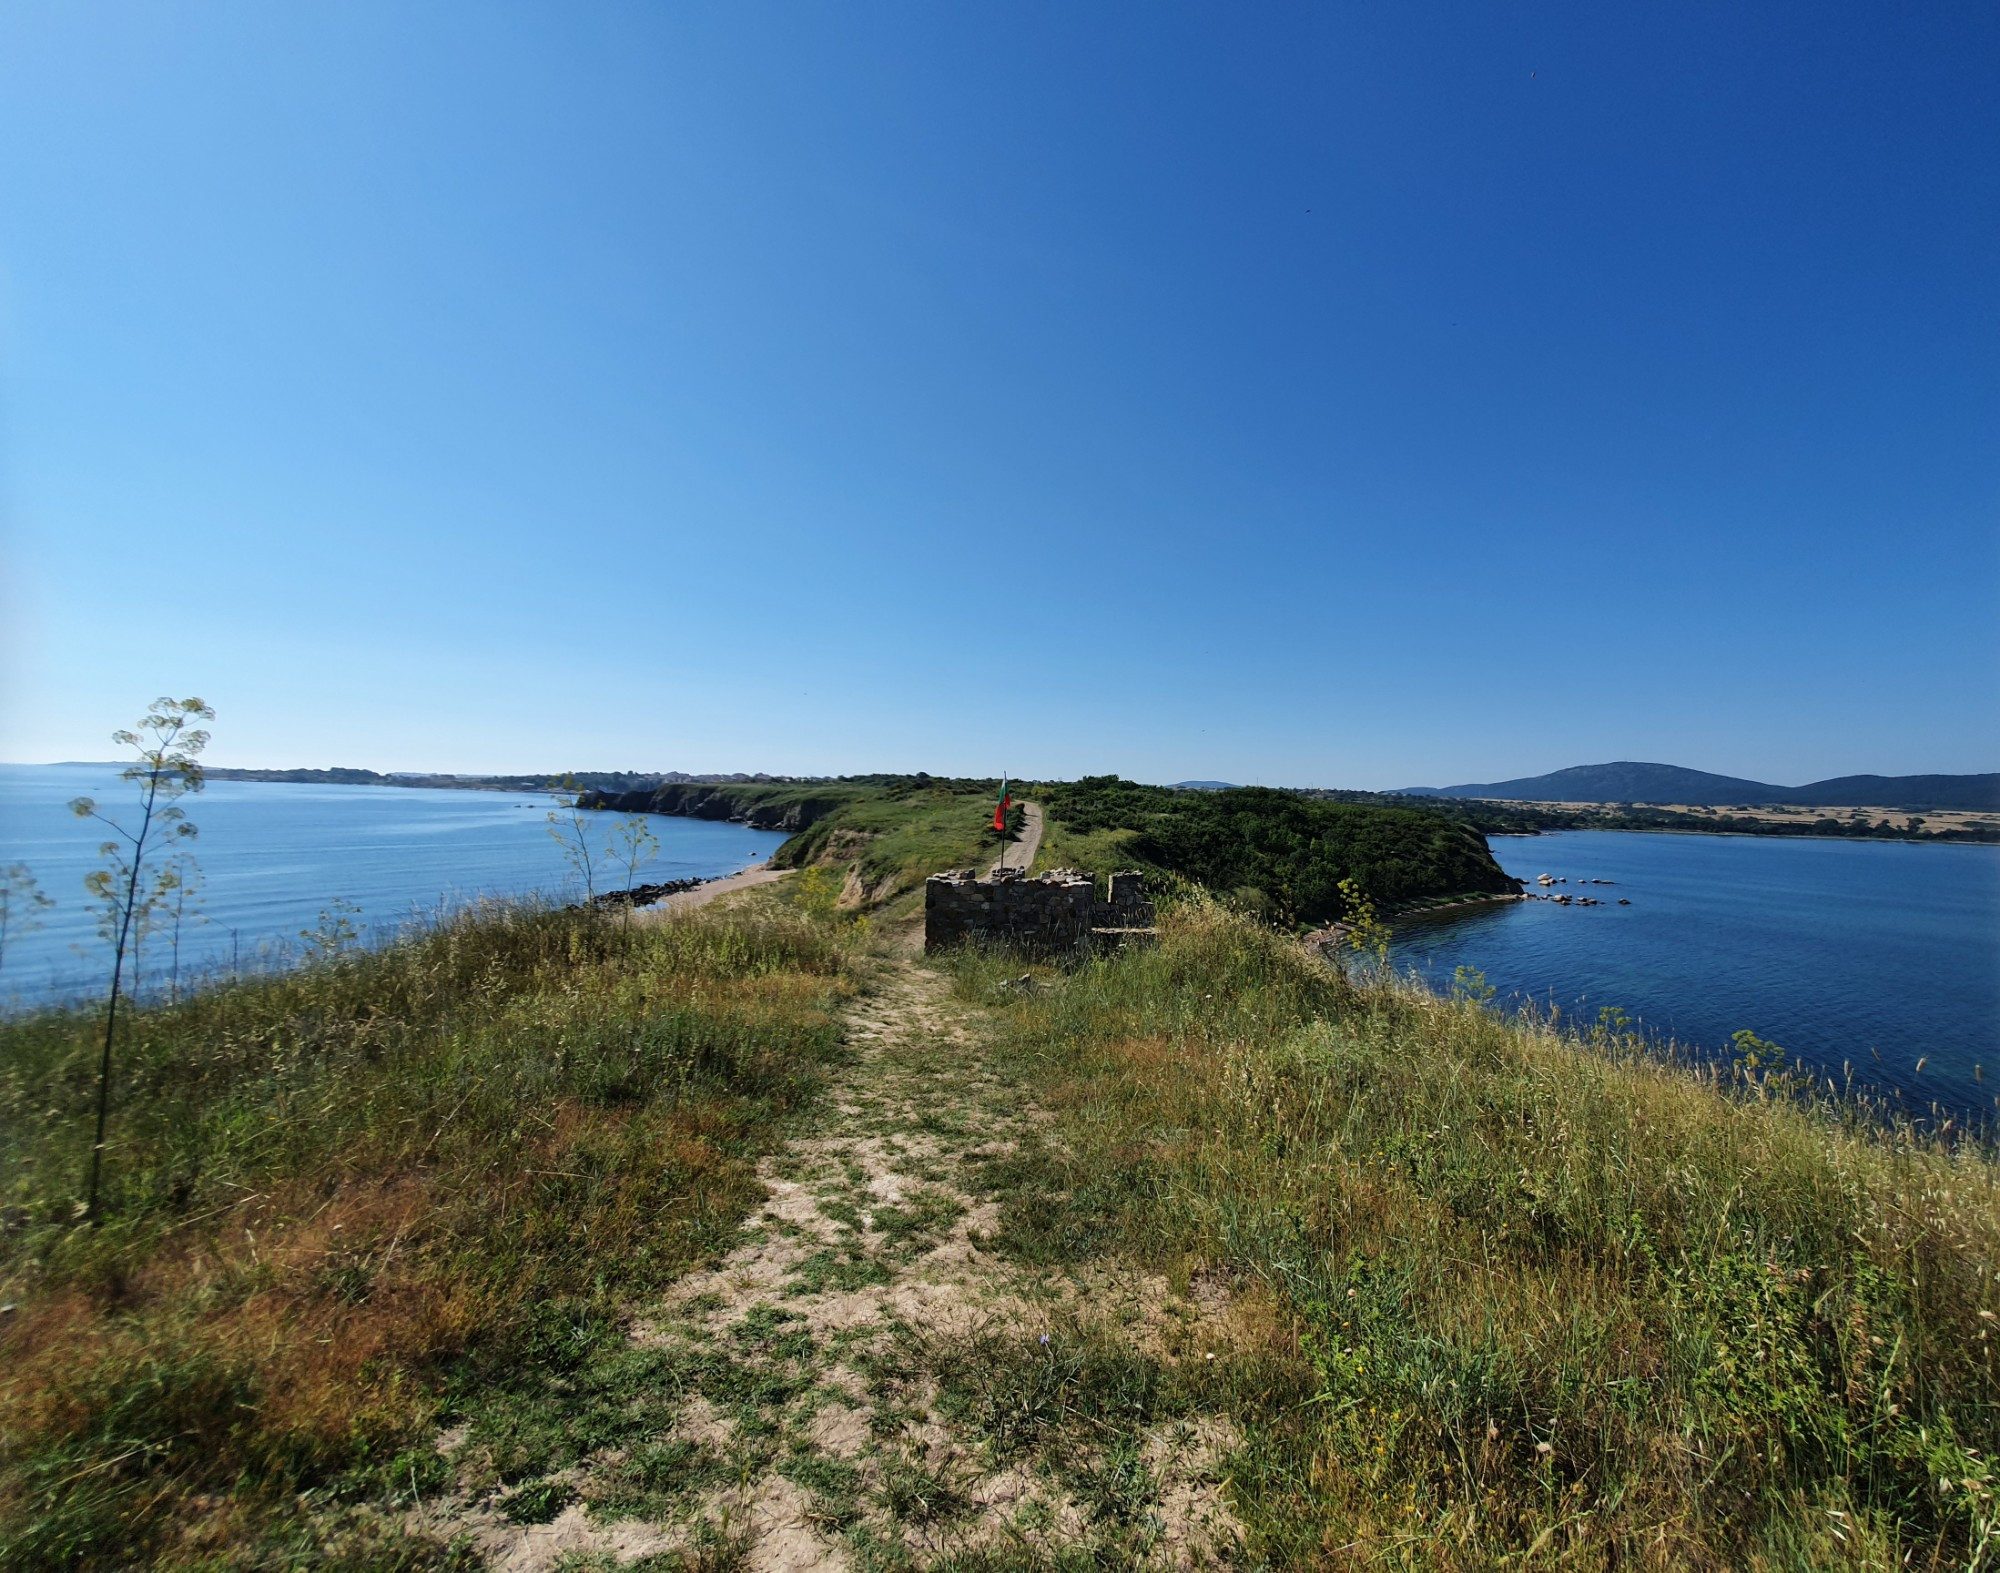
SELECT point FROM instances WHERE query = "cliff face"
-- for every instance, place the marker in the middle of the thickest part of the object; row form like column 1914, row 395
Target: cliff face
column 761, row 808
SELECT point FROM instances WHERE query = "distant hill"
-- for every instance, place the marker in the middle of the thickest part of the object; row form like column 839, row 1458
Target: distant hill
column 1632, row 781
column 1627, row 781
column 1202, row 786
column 1960, row 792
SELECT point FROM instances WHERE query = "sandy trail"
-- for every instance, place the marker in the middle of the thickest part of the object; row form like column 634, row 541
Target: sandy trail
column 1021, row 853
column 844, row 1383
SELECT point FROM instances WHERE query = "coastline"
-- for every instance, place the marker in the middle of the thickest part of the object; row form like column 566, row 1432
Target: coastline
column 610, row 785
column 1454, row 903
column 1738, row 835
column 709, row 890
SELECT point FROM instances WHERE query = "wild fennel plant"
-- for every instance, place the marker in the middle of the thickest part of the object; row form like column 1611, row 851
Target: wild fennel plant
column 166, row 770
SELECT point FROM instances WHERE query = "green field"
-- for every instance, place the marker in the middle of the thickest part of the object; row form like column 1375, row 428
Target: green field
column 888, row 833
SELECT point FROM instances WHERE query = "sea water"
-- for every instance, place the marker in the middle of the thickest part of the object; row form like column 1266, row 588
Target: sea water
column 1881, row 956
column 274, row 856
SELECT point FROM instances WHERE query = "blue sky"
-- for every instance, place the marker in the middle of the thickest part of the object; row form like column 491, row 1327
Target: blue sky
column 1342, row 394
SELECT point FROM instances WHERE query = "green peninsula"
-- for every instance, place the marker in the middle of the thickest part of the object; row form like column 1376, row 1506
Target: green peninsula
column 1276, row 853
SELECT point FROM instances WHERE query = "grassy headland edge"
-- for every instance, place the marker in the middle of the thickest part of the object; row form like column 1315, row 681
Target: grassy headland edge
column 1499, row 1292
column 1510, row 1295
column 1276, row 853
column 354, row 1202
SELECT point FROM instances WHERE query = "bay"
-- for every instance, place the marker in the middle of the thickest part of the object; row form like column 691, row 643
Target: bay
column 1869, row 956
column 1865, row 958
column 274, row 856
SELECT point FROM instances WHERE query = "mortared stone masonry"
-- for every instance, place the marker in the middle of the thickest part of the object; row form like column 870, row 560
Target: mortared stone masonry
column 1059, row 911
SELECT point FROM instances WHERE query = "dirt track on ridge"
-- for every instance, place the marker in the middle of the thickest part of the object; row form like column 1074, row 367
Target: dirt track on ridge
column 856, row 1361
column 1021, row 853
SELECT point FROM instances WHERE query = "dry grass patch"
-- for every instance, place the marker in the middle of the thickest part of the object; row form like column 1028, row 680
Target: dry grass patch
column 353, row 1201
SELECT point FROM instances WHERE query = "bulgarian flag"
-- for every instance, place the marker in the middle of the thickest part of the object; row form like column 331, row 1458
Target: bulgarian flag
column 1000, row 812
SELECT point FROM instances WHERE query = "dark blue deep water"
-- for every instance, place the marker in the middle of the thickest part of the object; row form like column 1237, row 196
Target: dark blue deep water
column 1874, row 954
column 273, row 855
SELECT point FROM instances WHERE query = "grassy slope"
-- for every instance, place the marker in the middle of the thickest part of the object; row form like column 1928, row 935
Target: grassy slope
column 900, row 833
column 352, row 1202
column 1508, row 1298
column 889, row 832
column 1525, row 1298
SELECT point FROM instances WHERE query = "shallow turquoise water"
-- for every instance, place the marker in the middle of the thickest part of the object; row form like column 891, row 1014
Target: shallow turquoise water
column 273, row 855
column 1874, row 955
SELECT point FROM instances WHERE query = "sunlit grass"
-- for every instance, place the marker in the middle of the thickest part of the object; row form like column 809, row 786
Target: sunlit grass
column 897, row 836
column 1540, row 1296
column 1495, row 1294
column 344, row 1199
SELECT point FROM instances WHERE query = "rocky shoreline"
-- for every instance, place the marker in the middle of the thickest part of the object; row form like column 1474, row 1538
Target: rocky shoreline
column 644, row 895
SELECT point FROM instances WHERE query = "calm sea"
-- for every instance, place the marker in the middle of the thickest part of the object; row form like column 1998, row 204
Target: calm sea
column 274, row 855
column 1874, row 954
column 1877, row 955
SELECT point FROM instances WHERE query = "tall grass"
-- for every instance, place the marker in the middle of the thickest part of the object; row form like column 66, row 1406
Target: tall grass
column 341, row 1198
column 1539, row 1299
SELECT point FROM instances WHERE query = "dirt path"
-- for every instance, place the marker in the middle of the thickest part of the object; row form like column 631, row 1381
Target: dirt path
column 1021, row 853
column 870, row 1381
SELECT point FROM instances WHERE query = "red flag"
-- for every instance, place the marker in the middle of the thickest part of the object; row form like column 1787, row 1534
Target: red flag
column 1000, row 813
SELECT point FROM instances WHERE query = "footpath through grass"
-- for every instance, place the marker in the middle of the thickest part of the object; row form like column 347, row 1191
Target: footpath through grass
column 713, row 1243
column 862, row 1382
column 1523, row 1301
column 348, row 1204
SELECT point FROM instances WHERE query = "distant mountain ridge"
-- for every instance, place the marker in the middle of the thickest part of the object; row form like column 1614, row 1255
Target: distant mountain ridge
column 1634, row 781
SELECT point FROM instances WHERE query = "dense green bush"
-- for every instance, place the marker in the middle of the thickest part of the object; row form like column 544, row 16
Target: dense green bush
column 1287, row 853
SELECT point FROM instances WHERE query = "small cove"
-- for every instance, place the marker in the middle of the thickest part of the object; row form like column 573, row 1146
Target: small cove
column 1874, row 955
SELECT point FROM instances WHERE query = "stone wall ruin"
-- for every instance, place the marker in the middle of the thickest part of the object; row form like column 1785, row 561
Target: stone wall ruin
column 1057, row 912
